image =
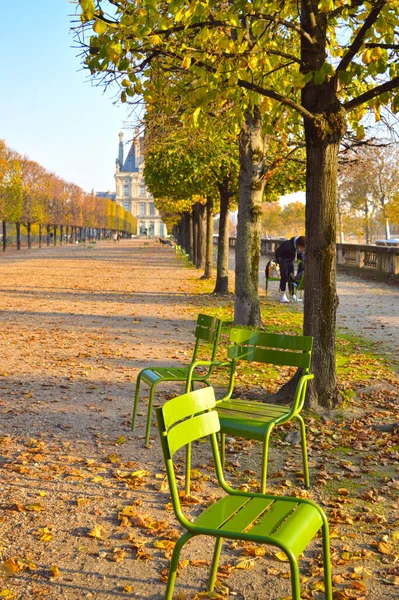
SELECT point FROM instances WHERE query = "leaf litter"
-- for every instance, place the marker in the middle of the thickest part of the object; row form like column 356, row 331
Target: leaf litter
column 85, row 508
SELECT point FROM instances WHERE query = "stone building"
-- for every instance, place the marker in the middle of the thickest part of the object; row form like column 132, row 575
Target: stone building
column 131, row 191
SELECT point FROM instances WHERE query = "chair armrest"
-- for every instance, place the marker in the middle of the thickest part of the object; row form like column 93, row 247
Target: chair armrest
column 203, row 363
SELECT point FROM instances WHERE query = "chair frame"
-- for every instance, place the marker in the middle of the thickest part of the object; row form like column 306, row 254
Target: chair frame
column 253, row 419
column 287, row 523
column 208, row 331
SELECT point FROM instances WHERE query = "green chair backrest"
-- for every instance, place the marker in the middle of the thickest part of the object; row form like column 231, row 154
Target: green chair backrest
column 178, row 427
column 271, row 348
column 207, row 330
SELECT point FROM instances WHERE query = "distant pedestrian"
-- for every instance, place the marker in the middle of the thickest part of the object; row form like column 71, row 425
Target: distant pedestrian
column 286, row 254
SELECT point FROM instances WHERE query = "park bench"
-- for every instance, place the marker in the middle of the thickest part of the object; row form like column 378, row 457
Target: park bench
column 207, row 334
column 286, row 523
column 256, row 420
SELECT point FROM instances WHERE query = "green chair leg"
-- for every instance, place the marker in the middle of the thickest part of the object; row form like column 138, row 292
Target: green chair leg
column 136, row 401
column 304, row 451
column 215, row 563
column 295, row 580
column 328, row 593
column 222, row 448
column 174, row 564
column 149, row 416
column 265, row 456
column 188, row 470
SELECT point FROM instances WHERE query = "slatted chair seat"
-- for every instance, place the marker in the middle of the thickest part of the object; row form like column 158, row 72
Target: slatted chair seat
column 207, row 334
column 160, row 374
column 247, row 418
column 286, row 523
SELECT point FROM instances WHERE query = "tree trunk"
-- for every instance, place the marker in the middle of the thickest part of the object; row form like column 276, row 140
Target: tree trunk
column 222, row 271
column 201, row 235
column 18, row 231
column 323, row 134
column 61, row 234
column 208, row 240
column 4, row 236
column 190, row 248
column 40, row 235
column 48, row 235
column 321, row 299
column 28, row 229
column 251, row 186
column 55, row 235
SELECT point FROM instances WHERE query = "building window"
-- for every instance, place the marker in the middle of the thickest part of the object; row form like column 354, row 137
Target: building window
column 142, row 209
column 161, row 229
column 152, row 228
column 152, row 209
column 126, row 205
column 126, row 189
column 143, row 191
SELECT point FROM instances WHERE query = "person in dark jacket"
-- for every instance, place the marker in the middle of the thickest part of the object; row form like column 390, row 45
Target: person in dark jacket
column 286, row 254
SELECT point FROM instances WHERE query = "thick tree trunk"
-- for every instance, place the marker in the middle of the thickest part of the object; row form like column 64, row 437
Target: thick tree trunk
column 61, row 234
column 323, row 134
column 28, row 229
column 48, row 236
column 18, row 231
column 320, row 268
column 222, row 272
column 55, row 235
column 40, row 235
column 251, row 186
column 208, row 240
column 4, row 236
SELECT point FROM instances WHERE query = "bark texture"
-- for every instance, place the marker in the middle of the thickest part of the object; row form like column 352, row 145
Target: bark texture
column 222, row 272
column 208, row 240
column 251, row 186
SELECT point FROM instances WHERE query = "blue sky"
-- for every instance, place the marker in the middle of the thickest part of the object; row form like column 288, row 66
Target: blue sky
column 49, row 110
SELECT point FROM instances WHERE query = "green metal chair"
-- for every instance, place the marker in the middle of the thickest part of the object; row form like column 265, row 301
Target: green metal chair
column 256, row 420
column 286, row 523
column 207, row 332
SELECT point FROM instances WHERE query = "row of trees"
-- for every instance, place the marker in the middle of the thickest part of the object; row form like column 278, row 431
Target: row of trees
column 368, row 193
column 280, row 76
column 36, row 198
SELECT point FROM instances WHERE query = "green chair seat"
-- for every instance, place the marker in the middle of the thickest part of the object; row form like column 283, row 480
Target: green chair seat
column 248, row 419
column 286, row 523
column 160, row 374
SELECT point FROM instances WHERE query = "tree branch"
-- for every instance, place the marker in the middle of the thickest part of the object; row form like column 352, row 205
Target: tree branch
column 359, row 39
column 373, row 93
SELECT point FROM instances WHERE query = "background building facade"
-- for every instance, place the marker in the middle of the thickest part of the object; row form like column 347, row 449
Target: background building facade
column 131, row 191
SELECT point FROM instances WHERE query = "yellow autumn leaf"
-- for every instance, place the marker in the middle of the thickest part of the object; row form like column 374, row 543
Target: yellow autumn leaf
column 244, row 563
column 113, row 458
column 7, row 594
column 97, row 532
column 140, row 474
column 54, row 570
column 9, row 567
column 385, row 547
column 281, row 556
column 44, row 534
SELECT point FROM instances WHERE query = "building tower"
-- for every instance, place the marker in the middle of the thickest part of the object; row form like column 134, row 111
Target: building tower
column 131, row 191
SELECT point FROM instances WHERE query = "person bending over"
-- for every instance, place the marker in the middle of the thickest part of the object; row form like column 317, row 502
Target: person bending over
column 286, row 254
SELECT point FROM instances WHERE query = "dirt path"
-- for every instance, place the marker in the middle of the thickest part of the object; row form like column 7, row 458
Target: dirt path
column 82, row 502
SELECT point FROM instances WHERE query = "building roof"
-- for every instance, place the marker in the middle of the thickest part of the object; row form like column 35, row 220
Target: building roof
column 130, row 162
